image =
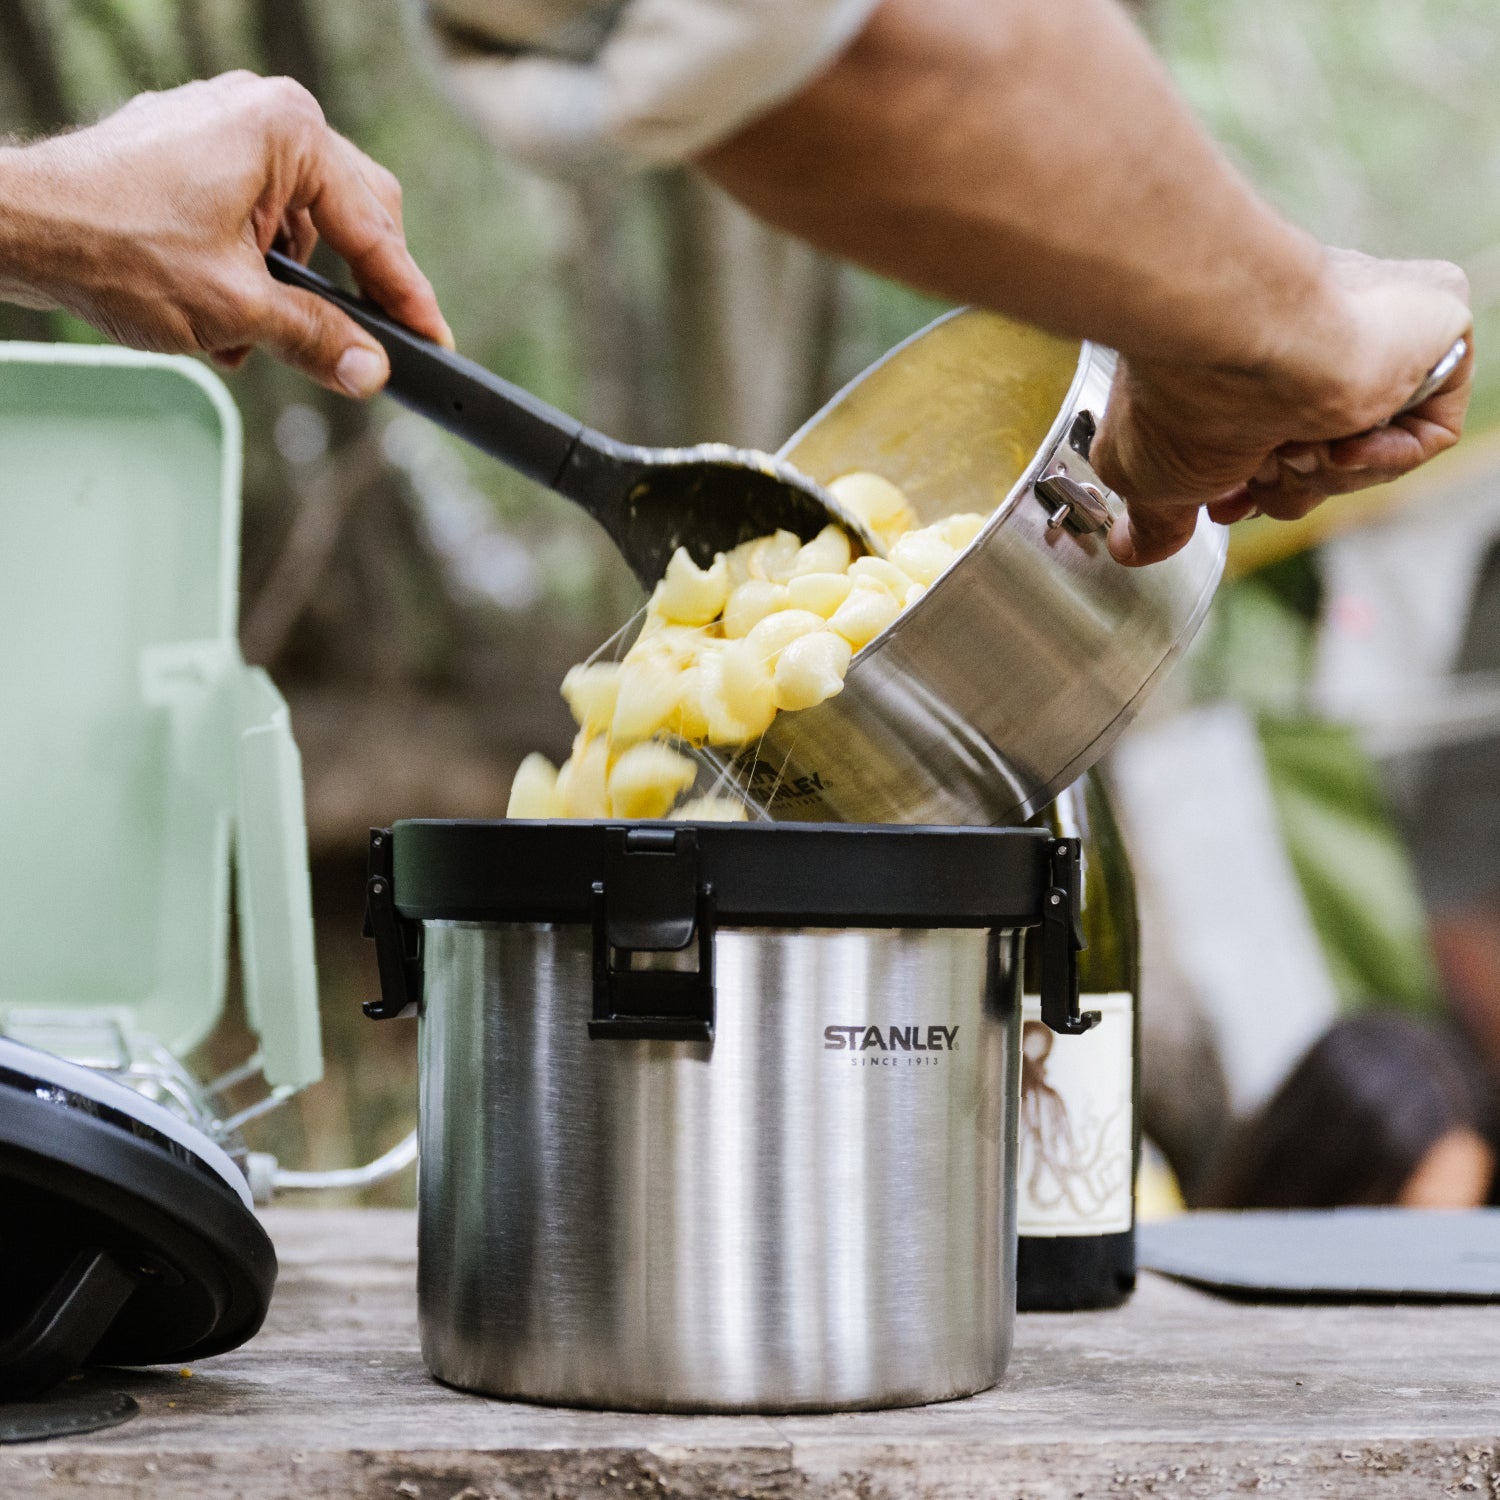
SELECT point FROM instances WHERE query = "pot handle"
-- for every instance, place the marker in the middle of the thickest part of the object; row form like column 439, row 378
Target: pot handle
column 1082, row 508
column 1435, row 379
column 398, row 939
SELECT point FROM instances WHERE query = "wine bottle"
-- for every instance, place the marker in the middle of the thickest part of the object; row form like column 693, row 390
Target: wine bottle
column 1080, row 1124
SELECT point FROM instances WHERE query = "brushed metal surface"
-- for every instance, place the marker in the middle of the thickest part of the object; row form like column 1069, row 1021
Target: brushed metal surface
column 1022, row 664
column 762, row 1224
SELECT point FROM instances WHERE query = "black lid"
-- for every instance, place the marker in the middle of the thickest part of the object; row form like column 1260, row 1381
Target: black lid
column 761, row 874
column 646, row 887
column 118, row 1244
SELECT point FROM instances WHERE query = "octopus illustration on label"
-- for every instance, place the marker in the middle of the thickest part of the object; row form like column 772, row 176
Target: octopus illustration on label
column 1075, row 1173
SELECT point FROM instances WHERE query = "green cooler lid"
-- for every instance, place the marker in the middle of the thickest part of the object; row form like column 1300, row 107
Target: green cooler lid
column 137, row 749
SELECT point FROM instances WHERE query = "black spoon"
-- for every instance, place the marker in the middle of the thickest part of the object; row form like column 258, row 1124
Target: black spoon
column 650, row 500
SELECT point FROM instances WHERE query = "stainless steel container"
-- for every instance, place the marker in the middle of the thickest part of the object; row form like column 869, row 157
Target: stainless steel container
column 717, row 1117
column 1027, row 658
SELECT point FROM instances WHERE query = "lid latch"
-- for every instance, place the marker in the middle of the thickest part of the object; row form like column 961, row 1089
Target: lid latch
column 398, row 940
column 647, row 911
column 1062, row 941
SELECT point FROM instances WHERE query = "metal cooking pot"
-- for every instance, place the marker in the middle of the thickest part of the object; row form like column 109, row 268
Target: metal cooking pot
column 718, row 1117
column 1027, row 658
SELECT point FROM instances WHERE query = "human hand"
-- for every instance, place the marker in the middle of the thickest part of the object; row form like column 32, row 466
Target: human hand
column 152, row 225
column 1302, row 421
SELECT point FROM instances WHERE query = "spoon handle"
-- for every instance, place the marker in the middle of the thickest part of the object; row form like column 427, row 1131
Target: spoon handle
column 469, row 401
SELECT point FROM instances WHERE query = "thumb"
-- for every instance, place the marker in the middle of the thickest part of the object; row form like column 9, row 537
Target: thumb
column 325, row 344
column 1147, row 535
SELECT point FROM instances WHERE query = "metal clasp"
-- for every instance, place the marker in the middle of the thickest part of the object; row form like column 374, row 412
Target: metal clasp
column 1079, row 507
column 398, row 940
column 1062, row 941
column 651, row 904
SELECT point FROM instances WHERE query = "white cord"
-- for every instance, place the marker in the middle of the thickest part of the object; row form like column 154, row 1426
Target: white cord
column 276, row 1179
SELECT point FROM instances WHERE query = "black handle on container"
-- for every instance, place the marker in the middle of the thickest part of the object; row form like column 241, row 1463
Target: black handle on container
column 1062, row 941
column 467, row 400
column 60, row 1336
column 398, row 941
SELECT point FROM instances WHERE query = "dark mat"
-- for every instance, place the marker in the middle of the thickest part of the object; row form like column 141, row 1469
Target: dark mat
column 67, row 1416
column 1334, row 1254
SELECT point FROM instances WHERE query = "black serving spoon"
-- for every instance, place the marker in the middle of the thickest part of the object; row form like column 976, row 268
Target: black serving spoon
column 650, row 500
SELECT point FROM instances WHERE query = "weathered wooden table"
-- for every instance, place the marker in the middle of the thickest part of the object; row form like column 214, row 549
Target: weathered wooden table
column 1178, row 1394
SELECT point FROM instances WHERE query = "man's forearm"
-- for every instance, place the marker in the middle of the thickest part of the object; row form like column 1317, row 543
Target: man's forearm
column 1031, row 156
column 22, row 235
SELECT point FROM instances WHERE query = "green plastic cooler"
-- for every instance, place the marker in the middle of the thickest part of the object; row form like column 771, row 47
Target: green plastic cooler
column 138, row 751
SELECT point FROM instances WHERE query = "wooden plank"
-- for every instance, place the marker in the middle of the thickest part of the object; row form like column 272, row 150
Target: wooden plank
column 1177, row 1394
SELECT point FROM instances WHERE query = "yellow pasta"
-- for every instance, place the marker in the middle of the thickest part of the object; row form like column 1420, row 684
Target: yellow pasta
column 688, row 594
column 770, row 627
column 710, row 810
column 583, row 780
column 533, row 791
column 811, row 669
column 750, row 603
column 822, row 593
column 864, row 614
column 591, row 693
column 647, row 779
column 877, row 502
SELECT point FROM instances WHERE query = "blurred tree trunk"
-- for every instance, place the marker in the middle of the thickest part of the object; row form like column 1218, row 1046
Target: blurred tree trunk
column 194, row 33
column 137, row 66
column 26, row 46
column 289, row 44
column 618, row 351
column 753, row 316
column 27, row 54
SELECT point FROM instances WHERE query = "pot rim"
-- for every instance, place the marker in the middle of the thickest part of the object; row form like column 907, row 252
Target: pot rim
column 1091, row 356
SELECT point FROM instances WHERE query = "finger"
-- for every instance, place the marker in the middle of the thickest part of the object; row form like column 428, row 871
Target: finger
column 1398, row 449
column 1288, row 507
column 298, row 237
column 231, row 359
column 314, row 337
column 1147, row 535
column 1300, row 458
column 1290, row 498
column 349, row 215
column 380, row 180
column 1238, row 505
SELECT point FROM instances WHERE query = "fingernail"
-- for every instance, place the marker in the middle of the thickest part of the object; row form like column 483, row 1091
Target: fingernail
column 361, row 371
column 1302, row 463
column 447, row 340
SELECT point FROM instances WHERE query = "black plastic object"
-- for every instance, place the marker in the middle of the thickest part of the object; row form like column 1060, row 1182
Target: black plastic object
column 69, row 1415
column 116, row 1247
column 398, row 943
column 650, row 500
column 1062, row 941
column 654, row 887
column 653, row 899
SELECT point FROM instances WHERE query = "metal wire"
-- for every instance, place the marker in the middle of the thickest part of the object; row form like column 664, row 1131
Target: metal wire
column 397, row 1159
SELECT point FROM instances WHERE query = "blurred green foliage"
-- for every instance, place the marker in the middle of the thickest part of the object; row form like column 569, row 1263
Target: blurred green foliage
column 1373, row 123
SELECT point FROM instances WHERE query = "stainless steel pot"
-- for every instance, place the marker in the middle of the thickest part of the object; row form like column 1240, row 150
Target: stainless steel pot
column 735, row 1130
column 1023, row 663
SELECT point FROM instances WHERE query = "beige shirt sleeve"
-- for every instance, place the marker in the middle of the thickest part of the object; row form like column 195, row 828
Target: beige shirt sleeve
column 571, row 85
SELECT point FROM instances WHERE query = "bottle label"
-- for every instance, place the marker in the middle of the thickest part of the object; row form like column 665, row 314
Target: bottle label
column 1076, row 1164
